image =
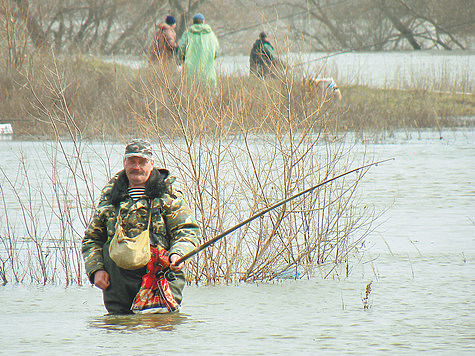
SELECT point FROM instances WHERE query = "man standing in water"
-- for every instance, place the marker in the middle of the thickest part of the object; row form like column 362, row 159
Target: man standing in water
column 199, row 48
column 137, row 199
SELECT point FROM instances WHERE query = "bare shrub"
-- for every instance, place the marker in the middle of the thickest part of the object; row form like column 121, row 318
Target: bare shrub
column 13, row 38
column 54, row 197
column 239, row 152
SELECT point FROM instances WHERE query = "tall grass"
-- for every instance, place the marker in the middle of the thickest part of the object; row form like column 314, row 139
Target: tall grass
column 103, row 96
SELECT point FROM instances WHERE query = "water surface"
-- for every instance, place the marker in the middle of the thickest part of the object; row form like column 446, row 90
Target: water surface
column 419, row 261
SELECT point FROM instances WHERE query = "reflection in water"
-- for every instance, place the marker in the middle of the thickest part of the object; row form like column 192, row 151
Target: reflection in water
column 134, row 322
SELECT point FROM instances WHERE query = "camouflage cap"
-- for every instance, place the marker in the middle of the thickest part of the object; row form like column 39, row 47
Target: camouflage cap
column 140, row 148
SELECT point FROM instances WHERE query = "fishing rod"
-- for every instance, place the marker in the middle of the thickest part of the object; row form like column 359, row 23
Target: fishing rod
column 170, row 275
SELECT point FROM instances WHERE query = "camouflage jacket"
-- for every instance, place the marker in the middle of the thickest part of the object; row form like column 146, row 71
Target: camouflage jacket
column 173, row 225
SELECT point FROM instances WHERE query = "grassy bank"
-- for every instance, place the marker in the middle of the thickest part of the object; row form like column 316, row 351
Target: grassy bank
column 97, row 99
column 388, row 109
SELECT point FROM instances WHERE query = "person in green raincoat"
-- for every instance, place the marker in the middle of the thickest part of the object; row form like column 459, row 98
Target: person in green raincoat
column 198, row 48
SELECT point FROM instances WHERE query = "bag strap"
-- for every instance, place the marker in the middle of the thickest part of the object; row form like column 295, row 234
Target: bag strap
column 118, row 220
column 149, row 213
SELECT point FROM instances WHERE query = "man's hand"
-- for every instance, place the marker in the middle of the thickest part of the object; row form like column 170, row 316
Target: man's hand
column 101, row 279
column 173, row 258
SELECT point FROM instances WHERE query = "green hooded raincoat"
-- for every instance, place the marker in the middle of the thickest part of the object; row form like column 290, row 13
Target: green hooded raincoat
column 199, row 48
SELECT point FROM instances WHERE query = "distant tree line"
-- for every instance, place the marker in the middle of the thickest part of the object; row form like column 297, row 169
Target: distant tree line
column 125, row 27
column 386, row 24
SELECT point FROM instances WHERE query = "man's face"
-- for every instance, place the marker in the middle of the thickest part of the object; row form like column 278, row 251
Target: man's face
column 138, row 170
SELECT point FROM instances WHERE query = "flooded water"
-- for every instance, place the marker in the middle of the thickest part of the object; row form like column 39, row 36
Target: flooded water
column 419, row 261
column 415, row 69
column 419, row 69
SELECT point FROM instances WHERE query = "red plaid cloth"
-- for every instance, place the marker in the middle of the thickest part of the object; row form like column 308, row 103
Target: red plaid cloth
column 155, row 293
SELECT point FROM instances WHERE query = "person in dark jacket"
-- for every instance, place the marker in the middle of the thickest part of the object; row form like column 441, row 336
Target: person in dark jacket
column 263, row 61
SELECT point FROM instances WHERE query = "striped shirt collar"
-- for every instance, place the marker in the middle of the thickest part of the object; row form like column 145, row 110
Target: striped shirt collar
column 136, row 193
